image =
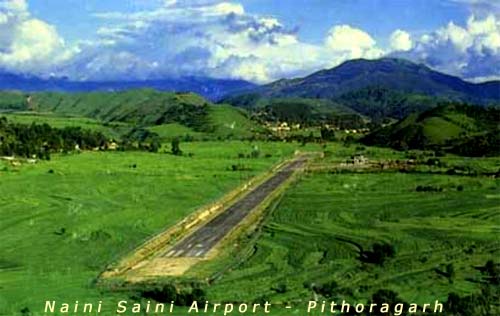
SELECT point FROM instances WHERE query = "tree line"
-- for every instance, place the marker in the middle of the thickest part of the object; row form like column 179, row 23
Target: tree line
column 40, row 140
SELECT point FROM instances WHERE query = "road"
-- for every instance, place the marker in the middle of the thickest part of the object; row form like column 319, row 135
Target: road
column 201, row 241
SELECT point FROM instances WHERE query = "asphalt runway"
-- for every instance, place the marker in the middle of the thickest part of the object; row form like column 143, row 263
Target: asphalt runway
column 201, row 241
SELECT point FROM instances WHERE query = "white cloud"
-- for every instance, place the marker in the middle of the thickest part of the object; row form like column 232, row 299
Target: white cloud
column 345, row 42
column 220, row 39
column 471, row 51
column 28, row 44
column 169, row 3
column 3, row 18
column 457, row 36
column 401, row 40
column 15, row 5
column 224, row 8
column 347, row 38
column 214, row 38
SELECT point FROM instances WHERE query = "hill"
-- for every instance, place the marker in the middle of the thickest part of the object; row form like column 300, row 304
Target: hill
column 223, row 121
column 380, row 88
column 458, row 128
column 145, row 108
column 210, row 88
column 381, row 103
column 305, row 111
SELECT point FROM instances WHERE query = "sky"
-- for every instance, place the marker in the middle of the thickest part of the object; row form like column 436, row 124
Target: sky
column 255, row 40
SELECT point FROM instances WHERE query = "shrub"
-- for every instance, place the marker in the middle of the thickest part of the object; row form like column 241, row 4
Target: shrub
column 176, row 150
column 255, row 152
column 327, row 289
column 379, row 254
column 280, row 288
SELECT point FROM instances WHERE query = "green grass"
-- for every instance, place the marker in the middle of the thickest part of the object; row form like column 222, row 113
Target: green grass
column 64, row 220
column 112, row 130
column 142, row 106
column 226, row 122
column 173, row 130
column 231, row 121
column 440, row 130
column 445, row 126
column 115, row 113
column 106, row 207
column 308, row 238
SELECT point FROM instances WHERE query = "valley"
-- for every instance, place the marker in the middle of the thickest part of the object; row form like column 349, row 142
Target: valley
column 319, row 188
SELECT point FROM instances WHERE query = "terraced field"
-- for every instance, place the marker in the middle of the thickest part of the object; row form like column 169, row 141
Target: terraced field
column 316, row 234
column 64, row 220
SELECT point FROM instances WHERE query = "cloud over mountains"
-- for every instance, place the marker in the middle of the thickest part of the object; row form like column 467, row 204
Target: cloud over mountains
column 470, row 51
column 221, row 39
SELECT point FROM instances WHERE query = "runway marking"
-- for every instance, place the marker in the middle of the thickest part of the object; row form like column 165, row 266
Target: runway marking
column 207, row 236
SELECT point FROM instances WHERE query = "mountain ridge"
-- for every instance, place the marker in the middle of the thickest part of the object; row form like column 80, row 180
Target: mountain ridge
column 390, row 73
column 209, row 88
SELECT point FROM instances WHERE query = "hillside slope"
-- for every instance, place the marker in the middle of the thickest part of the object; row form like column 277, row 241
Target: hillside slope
column 305, row 111
column 176, row 113
column 457, row 128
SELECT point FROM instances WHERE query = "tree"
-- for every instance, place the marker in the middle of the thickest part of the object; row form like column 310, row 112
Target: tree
column 327, row 134
column 155, row 145
column 327, row 289
column 492, row 270
column 176, row 150
column 379, row 254
column 450, row 271
column 163, row 294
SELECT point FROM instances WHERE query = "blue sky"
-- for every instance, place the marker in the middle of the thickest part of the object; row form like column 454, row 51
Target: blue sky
column 256, row 40
column 380, row 17
column 312, row 18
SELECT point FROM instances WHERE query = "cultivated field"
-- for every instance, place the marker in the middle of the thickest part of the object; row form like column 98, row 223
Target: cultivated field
column 315, row 235
column 65, row 220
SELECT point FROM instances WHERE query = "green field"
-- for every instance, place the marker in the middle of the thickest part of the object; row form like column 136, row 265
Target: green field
column 68, row 218
column 112, row 130
column 64, row 220
column 313, row 235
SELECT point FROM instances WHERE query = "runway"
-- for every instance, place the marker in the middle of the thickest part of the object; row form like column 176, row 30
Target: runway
column 201, row 241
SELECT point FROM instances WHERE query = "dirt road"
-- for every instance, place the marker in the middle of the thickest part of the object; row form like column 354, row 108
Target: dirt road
column 206, row 237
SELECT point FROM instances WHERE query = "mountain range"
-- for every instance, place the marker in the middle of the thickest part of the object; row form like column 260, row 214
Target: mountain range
column 210, row 88
column 377, row 89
